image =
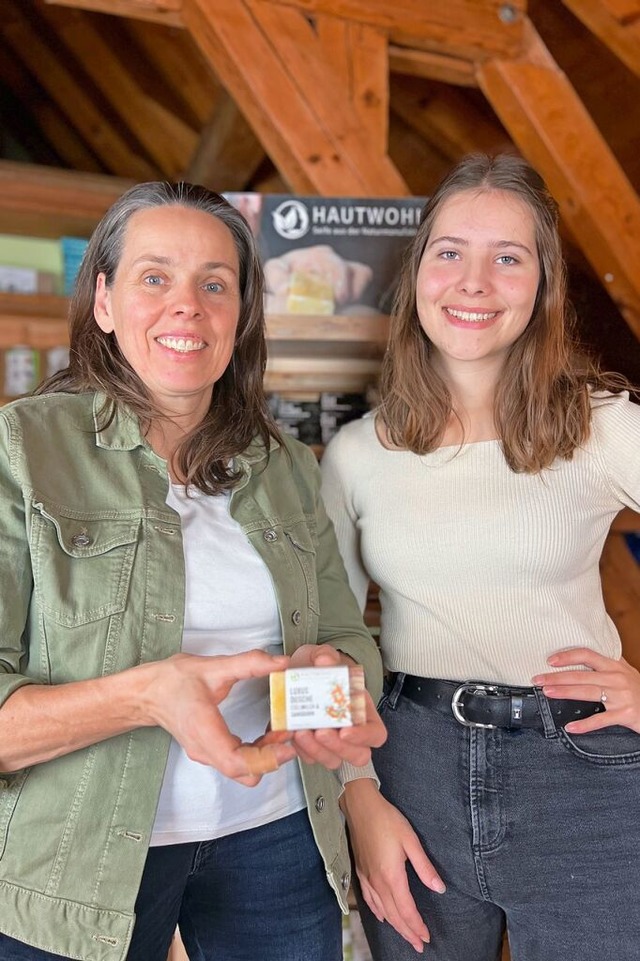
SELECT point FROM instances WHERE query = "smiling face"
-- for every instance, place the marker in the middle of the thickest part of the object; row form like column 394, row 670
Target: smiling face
column 174, row 305
column 478, row 278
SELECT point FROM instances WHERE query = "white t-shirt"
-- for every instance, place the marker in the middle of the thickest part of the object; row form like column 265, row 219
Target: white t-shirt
column 230, row 607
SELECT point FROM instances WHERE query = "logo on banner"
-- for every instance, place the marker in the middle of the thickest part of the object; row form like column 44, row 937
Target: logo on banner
column 291, row 220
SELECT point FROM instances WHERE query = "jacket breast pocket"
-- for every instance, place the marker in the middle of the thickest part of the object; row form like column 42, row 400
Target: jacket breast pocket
column 82, row 566
column 305, row 553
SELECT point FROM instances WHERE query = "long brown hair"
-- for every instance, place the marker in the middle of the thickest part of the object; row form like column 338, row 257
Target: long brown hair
column 542, row 406
column 238, row 412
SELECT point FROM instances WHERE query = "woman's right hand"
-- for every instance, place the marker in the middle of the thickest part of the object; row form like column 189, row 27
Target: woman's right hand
column 40, row 722
column 383, row 841
column 183, row 698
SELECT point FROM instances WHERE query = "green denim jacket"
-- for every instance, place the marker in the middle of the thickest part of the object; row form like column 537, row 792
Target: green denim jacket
column 92, row 582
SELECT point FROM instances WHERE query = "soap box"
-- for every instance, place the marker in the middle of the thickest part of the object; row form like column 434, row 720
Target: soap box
column 315, row 697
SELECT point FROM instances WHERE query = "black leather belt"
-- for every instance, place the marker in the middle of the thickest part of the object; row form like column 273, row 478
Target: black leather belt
column 481, row 704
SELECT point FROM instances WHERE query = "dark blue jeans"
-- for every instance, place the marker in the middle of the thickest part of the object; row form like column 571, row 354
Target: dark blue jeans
column 538, row 830
column 260, row 894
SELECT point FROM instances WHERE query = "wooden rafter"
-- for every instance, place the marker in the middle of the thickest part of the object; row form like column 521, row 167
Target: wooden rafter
column 29, row 108
column 463, row 28
column 549, row 123
column 72, row 98
column 431, row 65
column 459, row 28
column 447, row 119
column 171, row 52
column 228, row 153
column 271, row 61
column 357, row 55
column 616, row 23
column 157, row 11
column 165, row 138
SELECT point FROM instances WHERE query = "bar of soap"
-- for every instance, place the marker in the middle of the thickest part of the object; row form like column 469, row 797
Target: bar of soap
column 315, row 697
column 309, row 293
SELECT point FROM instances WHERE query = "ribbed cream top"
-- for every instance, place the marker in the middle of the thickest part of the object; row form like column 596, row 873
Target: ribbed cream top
column 483, row 572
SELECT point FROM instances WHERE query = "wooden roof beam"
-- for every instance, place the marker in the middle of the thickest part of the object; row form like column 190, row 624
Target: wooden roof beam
column 46, row 202
column 228, row 153
column 33, row 110
column 432, row 66
column 358, row 57
column 446, row 118
column 158, row 11
column 167, row 141
column 171, row 52
column 549, row 123
column 616, row 23
column 73, row 100
column 272, row 63
column 470, row 29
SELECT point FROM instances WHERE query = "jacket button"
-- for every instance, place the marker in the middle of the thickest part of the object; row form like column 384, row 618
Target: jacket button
column 270, row 535
column 296, row 617
column 345, row 881
column 81, row 540
column 320, row 804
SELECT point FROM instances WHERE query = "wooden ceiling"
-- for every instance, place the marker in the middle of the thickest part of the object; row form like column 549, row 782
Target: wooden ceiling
column 335, row 97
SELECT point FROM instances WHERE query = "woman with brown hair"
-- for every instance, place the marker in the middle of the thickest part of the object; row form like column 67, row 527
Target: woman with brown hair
column 160, row 541
column 478, row 496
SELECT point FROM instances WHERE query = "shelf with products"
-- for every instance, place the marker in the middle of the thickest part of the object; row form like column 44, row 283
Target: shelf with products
column 307, row 354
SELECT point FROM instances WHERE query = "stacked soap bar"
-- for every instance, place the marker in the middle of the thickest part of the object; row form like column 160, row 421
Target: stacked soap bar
column 315, row 697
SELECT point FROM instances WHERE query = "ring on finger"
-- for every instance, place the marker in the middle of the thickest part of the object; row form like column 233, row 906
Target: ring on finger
column 603, row 696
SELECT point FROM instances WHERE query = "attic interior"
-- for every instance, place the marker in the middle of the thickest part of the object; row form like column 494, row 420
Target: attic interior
column 126, row 90
column 355, row 98
column 344, row 98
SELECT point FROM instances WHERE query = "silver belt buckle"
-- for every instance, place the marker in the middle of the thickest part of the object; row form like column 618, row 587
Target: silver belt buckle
column 473, row 687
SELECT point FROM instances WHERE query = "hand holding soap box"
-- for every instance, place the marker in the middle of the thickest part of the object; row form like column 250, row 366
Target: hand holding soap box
column 305, row 698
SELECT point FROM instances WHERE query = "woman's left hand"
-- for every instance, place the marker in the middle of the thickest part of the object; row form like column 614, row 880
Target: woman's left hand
column 614, row 682
column 331, row 746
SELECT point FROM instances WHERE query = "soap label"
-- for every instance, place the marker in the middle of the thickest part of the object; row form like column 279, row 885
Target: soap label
column 318, row 697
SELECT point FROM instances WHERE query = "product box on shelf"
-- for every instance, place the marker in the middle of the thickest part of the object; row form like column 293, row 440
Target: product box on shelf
column 30, row 265
column 315, row 419
column 330, row 255
column 27, row 280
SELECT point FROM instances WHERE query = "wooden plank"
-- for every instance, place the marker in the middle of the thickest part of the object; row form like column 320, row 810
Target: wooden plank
column 549, row 123
column 306, row 141
column 228, row 153
column 167, row 140
column 318, row 374
column 32, row 307
column 46, row 202
column 357, row 55
column 300, row 52
column 72, row 98
column 37, row 333
column 432, row 65
column 159, row 11
column 447, row 118
column 616, row 23
column 172, row 52
column 473, row 29
column 366, row 329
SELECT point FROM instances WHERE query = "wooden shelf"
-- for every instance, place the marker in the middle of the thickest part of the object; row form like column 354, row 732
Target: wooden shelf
column 306, row 353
